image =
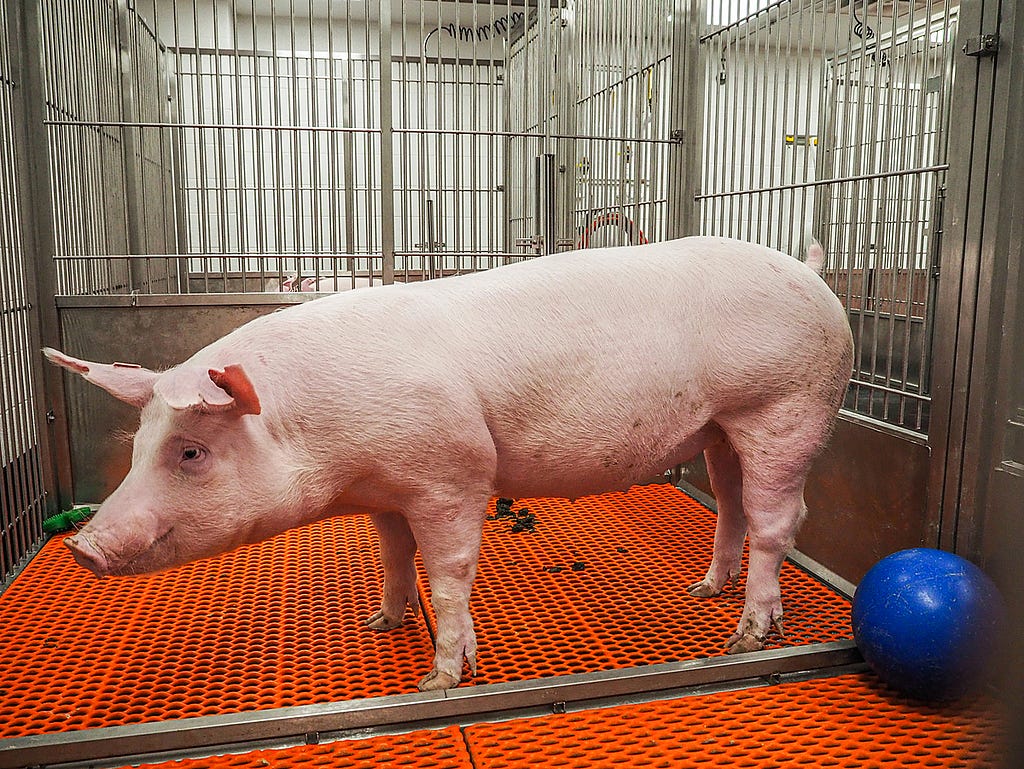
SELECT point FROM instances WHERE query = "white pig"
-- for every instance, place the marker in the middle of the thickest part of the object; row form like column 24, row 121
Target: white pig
column 565, row 375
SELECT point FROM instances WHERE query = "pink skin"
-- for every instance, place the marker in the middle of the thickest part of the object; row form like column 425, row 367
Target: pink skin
column 566, row 375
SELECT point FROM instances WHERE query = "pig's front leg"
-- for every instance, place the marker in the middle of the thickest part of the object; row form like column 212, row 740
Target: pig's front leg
column 397, row 554
column 450, row 545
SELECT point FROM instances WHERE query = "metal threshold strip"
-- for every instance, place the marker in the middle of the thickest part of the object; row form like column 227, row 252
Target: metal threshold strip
column 306, row 724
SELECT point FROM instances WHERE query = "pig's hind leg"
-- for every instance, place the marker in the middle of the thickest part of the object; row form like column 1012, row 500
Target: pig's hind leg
column 731, row 526
column 397, row 553
column 775, row 452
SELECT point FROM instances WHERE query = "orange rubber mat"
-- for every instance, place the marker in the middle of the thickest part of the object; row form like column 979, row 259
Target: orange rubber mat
column 625, row 602
column 848, row 722
column 280, row 623
column 439, row 749
column 268, row 625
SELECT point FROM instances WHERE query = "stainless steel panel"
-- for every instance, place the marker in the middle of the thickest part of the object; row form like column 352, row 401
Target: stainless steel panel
column 866, row 498
column 829, row 121
column 978, row 484
column 977, row 258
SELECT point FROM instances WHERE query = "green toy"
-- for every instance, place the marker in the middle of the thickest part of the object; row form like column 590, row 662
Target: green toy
column 66, row 520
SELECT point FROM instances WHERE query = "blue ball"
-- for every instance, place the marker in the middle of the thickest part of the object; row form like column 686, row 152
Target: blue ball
column 927, row 622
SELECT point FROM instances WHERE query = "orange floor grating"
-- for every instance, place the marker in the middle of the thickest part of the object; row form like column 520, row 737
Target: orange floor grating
column 439, row 749
column 279, row 623
column 627, row 605
column 850, row 722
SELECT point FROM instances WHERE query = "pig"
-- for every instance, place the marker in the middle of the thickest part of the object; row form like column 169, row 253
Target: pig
column 286, row 284
column 561, row 376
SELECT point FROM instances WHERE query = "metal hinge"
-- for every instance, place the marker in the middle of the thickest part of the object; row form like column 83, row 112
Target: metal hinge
column 982, row 45
column 678, row 134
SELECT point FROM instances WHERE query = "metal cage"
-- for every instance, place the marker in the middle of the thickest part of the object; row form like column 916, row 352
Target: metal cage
column 211, row 160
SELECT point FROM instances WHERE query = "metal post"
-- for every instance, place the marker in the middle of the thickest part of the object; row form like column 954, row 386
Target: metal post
column 387, row 172
column 544, row 199
column 686, row 111
column 128, row 144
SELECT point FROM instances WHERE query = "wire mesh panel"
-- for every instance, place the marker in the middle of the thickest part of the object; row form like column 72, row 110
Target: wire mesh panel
column 622, row 114
column 448, row 112
column 588, row 87
column 330, row 145
column 21, row 484
column 113, row 199
column 297, row 145
column 280, row 143
column 827, row 120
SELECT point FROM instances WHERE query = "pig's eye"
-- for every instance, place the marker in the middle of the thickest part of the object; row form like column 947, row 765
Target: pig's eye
column 191, row 454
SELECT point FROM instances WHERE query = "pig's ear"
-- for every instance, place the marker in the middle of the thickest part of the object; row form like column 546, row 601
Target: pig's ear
column 125, row 381
column 227, row 389
column 234, row 382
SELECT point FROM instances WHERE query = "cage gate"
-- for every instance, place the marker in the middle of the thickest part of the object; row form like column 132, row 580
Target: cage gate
column 248, row 140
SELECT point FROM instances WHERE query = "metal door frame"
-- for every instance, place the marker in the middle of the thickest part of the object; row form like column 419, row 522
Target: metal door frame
column 981, row 251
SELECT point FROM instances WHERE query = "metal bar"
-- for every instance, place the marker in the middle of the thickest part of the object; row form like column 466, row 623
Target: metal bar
column 219, row 136
column 348, row 142
column 387, row 154
column 240, row 299
column 202, row 180
column 885, row 388
column 742, row 21
column 820, row 182
column 412, row 710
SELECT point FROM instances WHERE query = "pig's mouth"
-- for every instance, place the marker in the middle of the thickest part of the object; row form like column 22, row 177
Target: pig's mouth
column 90, row 555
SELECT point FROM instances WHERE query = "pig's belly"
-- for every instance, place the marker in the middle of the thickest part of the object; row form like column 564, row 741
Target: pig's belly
column 575, row 467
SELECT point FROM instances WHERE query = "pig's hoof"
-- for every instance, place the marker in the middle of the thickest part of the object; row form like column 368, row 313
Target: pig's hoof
column 436, row 680
column 381, row 621
column 703, row 589
column 740, row 644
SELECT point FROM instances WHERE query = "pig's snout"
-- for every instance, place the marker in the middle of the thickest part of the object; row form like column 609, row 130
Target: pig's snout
column 87, row 555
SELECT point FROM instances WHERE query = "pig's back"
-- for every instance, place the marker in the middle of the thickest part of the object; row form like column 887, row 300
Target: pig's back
column 593, row 368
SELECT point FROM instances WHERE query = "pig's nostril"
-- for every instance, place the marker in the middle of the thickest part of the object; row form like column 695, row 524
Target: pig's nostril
column 87, row 555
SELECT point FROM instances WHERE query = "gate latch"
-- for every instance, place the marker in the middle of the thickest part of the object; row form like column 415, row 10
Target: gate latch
column 982, row 45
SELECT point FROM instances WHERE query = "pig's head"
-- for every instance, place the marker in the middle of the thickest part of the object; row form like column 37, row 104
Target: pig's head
column 190, row 491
